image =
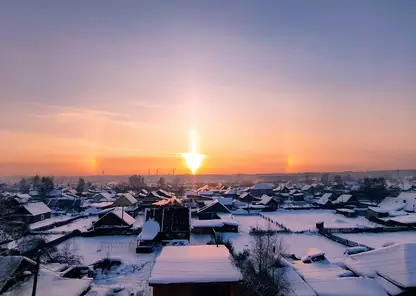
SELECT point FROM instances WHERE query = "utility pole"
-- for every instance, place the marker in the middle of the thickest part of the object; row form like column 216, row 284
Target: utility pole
column 35, row 279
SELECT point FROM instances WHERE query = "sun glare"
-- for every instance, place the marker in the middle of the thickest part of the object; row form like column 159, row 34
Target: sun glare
column 193, row 159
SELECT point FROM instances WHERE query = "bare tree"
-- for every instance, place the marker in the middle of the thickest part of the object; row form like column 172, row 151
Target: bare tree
column 67, row 254
column 262, row 273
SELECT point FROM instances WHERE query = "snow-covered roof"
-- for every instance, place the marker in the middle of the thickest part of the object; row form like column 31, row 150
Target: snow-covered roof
column 262, row 186
column 125, row 199
column 212, row 204
column 265, row 199
column 129, row 220
column 394, row 263
column 49, row 283
column 37, row 208
column 389, row 204
column 324, row 199
column 214, row 223
column 306, row 187
column 346, row 211
column 107, row 195
column 23, row 196
column 231, row 191
column 206, row 193
column 8, row 266
column 150, row 230
column 347, row 286
column 343, row 198
column 194, row 264
column 407, row 219
column 171, row 201
column 410, row 199
column 298, row 287
column 312, row 253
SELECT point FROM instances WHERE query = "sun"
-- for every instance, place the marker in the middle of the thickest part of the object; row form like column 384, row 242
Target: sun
column 193, row 159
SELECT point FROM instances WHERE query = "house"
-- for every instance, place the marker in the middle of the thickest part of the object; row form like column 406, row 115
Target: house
column 33, row 212
column 344, row 200
column 115, row 218
column 269, row 202
column 103, row 196
column 247, row 197
column 125, row 200
column 210, row 210
column 195, row 271
column 259, row 189
column 147, row 237
column 325, row 200
column 174, row 221
column 65, row 204
column 16, row 278
column 398, row 268
column 151, row 198
column 163, row 193
column 231, row 192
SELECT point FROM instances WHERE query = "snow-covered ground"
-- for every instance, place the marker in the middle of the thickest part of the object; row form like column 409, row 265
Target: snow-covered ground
column 297, row 244
column 248, row 222
column 377, row 240
column 132, row 275
column 307, row 219
column 81, row 224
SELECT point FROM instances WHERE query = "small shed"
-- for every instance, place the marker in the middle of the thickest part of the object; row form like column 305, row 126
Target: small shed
column 34, row 212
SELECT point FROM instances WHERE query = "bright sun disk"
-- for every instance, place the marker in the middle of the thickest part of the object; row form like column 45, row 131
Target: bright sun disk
column 193, row 159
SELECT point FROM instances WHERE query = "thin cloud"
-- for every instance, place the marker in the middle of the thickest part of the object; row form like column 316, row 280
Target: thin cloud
column 64, row 113
column 143, row 104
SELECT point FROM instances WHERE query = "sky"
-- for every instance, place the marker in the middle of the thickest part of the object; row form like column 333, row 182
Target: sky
column 92, row 87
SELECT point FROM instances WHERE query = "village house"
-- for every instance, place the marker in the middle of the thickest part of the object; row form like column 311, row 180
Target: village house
column 211, row 210
column 195, row 271
column 259, row 189
column 269, row 202
column 124, row 200
column 115, row 218
column 174, row 221
column 33, row 212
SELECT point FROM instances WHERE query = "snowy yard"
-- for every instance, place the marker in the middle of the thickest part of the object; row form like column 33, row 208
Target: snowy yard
column 81, row 224
column 297, row 244
column 247, row 222
column 132, row 274
column 377, row 240
column 304, row 220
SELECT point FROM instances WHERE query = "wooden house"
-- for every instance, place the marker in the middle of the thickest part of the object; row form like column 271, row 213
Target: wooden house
column 115, row 218
column 269, row 202
column 174, row 221
column 210, row 210
column 33, row 212
column 259, row 189
column 195, row 270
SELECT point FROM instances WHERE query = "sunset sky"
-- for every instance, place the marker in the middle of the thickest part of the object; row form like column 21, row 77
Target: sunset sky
column 270, row 86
